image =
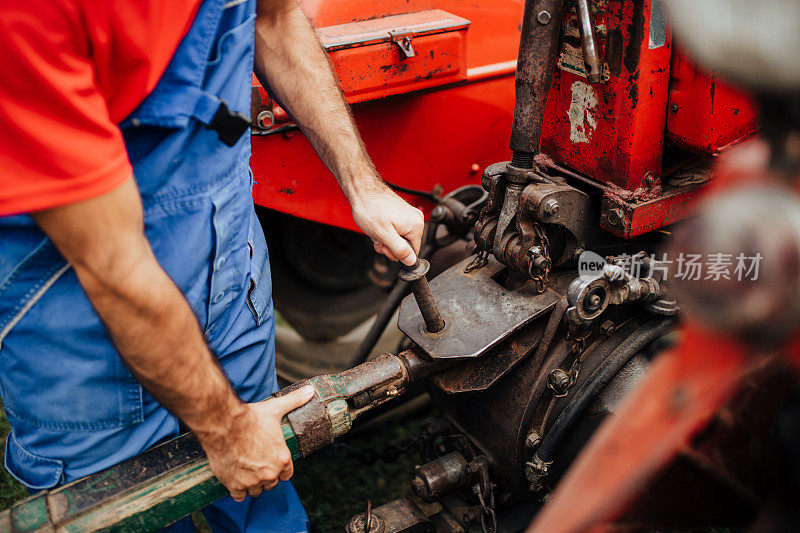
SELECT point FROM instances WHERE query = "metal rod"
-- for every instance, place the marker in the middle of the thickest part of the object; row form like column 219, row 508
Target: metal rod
column 415, row 276
column 591, row 55
column 538, row 46
column 399, row 291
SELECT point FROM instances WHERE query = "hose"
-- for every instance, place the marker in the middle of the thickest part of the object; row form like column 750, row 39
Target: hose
column 598, row 381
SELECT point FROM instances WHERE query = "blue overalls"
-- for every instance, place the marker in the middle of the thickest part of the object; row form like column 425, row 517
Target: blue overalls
column 73, row 406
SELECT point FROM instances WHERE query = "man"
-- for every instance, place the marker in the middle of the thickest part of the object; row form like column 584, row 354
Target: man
column 130, row 254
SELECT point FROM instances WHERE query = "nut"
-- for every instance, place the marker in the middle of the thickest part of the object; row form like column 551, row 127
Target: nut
column 558, row 381
column 550, row 207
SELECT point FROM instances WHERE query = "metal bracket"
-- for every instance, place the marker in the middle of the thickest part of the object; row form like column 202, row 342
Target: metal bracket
column 403, row 41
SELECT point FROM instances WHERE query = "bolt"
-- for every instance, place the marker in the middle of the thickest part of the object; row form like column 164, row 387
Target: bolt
column 608, row 328
column 558, row 381
column 551, row 207
column 544, row 17
column 595, row 300
column 533, row 439
column 674, row 108
column 437, row 212
column 475, row 168
column 649, row 179
column 265, row 120
column 419, row 488
column 615, row 217
column 415, row 276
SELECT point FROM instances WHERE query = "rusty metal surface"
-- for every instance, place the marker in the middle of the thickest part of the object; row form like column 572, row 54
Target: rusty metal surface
column 480, row 374
column 538, row 46
column 591, row 53
column 440, row 476
column 397, row 516
column 478, row 312
column 415, row 276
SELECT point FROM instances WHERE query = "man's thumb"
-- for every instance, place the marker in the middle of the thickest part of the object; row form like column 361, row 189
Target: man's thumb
column 293, row 400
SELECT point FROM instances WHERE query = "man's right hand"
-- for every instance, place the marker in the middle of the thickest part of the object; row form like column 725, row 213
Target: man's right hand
column 253, row 455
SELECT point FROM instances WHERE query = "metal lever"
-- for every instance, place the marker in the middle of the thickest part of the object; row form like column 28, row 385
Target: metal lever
column 591, row 55
column 415, row 276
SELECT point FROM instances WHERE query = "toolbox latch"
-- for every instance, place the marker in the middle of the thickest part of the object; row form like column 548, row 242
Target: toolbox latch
column 402, row 38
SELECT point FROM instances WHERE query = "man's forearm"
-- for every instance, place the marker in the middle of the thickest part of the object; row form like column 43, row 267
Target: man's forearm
column 149, row 320
column 295, row 68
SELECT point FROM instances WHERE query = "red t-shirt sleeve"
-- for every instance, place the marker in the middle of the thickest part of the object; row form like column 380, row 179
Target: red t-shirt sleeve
column 58, row 144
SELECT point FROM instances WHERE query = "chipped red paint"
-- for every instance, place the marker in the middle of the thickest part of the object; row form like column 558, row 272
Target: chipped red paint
column 441, row 117
column 629, row 110
column 705, row 113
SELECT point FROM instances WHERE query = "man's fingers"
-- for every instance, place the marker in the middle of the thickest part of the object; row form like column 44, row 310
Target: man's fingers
column 385, row 251
column 287, row 473
column 293, row 400
column 238, row 495
column 400, row 248
column 415, row 237
column 254, row 492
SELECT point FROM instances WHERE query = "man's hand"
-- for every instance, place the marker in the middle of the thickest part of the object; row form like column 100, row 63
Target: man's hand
column 294, row 68
column 251, row 455
column 394, row 226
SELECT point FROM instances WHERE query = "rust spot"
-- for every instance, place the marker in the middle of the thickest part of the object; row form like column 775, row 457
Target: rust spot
column 635, row 35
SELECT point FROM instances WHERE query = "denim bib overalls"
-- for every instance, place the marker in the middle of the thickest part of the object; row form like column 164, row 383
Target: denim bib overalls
column 73, row 406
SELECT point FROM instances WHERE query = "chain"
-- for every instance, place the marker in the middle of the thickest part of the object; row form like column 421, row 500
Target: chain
column 481, row 260
column 541, row 278
column 484, row 490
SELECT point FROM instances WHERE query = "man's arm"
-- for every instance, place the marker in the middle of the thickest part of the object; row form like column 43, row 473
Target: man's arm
column 157, row 334
column 295, row 68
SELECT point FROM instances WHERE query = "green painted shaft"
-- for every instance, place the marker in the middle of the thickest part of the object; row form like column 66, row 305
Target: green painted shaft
column 143, row 494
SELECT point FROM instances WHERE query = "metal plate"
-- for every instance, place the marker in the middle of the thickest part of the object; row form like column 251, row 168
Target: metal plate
column 477, row 310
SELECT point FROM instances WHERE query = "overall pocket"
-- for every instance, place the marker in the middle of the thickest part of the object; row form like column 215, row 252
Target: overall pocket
column 259, row 294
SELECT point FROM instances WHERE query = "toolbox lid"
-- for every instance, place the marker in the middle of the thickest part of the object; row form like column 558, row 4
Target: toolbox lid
column 383, row 29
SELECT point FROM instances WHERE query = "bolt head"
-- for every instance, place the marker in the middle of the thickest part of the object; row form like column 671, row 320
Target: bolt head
column 608, row 328
column 265, row 120
column 437, row 212
column 615, row 217
column 544, row 17
column 551, row 207
column 558, row 381
column 533, row 439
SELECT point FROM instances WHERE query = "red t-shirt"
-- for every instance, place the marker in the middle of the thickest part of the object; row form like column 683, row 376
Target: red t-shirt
column 71, row 71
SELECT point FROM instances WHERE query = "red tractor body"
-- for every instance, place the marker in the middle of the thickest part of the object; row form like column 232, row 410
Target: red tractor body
column 438, row 117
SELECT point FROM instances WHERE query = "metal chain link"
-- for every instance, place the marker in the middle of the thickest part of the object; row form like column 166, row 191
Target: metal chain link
column 481, row 260
column 484, row 490
column 542, row 278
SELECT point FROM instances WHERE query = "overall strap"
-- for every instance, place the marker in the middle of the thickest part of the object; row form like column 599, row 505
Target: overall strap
column 180, row 94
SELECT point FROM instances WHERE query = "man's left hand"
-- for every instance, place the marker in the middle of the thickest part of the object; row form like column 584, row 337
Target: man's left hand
column 394, row 226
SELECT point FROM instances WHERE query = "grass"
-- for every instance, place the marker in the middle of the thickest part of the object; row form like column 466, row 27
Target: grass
column 333, row 489
column 11, row 490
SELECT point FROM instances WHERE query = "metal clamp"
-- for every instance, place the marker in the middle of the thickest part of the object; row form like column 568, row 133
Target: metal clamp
column 403, row 41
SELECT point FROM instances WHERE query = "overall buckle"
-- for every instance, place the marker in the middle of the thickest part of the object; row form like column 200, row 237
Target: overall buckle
column 229, row 126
